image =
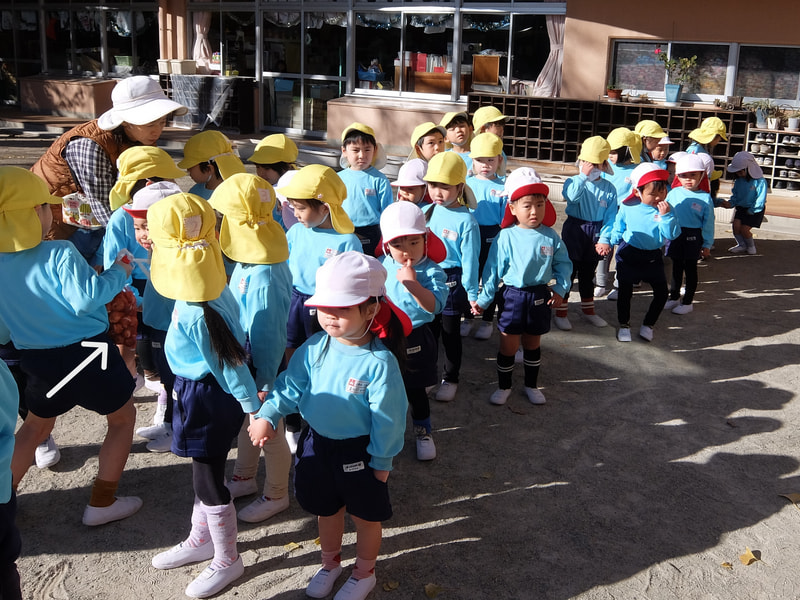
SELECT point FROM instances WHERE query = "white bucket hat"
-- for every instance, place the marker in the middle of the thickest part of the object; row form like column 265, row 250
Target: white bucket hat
column 745, row 160
column 691, row 163
column 411, row 173
column 348, row 279
column 138, row 100
column 149, row 195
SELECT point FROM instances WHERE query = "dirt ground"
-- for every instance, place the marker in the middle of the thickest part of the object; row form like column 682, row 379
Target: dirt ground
column 651, row 467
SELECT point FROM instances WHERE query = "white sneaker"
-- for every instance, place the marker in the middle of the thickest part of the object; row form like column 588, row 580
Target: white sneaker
column 183, row 554
column 562, row 323
column 499, row 397
column 356, row 589
column 595, row 320
column 153, row 384
column 599, row 291
column 535, row 395
column 613, row 294
column 152, row 432
column 737, row 249
column 212, row 581
column 447, row 391
column 646, row 333
column 466, row 327
column 162, row 443
column 484, row 331
column 321, row 584
column 671, row 304
column 292, row 438
column 139, row 379
column 242, row 487
column 426, row 449
column 751, row 250
column 262, row 509
column 624, row 334
column 683, row 309
column 123, row 507
column 47, row 453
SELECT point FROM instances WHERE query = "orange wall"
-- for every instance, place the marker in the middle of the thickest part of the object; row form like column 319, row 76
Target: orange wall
column 591, row 26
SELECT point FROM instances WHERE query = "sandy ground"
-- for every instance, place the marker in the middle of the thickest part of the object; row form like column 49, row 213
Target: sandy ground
column 650, row 466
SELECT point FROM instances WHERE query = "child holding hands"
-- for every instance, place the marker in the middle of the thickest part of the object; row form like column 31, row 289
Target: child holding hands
column 347, row 385
column 525, row 256
column 643, row 225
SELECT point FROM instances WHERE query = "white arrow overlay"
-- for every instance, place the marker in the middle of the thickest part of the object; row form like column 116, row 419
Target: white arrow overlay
column 100, row 348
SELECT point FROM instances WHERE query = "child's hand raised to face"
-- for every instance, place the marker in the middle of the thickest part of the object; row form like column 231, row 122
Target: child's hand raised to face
column 406, row 273
column 663, row 207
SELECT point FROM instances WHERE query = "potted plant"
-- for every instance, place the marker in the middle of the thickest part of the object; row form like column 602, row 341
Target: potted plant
column 679, row 72
column 614, row 91
column 768, row 114
column 793, row 120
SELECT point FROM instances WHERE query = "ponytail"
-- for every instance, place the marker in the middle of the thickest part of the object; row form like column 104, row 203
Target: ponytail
column 224, row 344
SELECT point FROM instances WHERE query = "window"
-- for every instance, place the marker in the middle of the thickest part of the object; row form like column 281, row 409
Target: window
column 768, row 72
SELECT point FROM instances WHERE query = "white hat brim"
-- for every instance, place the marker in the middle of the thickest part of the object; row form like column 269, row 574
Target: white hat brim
column 140, row 115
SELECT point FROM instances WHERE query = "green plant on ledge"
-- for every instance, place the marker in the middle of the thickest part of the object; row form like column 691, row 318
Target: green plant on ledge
column 679, row 70
column 613, row 86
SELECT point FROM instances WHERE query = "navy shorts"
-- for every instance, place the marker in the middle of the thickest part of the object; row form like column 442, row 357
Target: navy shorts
column 10, row 541
column 687, row 245
column 635, row 264
column 580, row 236
column 457, row 301
column 205, row 418
column 369, row 236
column 747, row 219
column 301, row 321
column 422, row 353
column 157, row 339
column 525, row 310
column 488, row 233
column 330, row 474
column 95, row 389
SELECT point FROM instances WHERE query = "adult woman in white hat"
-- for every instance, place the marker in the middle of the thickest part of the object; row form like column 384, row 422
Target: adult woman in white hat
column 83, row 160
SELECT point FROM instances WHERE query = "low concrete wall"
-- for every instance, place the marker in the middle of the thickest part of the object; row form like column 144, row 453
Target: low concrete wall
column 78, row 98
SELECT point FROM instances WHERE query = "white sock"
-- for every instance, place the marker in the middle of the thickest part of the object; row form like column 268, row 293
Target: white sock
column 223, row 530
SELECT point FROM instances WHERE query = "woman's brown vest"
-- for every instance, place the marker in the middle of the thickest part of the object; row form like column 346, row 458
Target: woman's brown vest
column 53, row 168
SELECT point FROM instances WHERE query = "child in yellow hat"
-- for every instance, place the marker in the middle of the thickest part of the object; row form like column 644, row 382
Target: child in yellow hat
column 368, row 190
column 347, row 384
column 450, row 219
column 459, row 135
column 273, row 156
column 53, row 310
column 711, row 132
column 651, row 134
column 261, row 282
column 591, row 209
column 209, row 159
column 489, row 119
column 487, row 183
column 427, row 140
column 213, row 385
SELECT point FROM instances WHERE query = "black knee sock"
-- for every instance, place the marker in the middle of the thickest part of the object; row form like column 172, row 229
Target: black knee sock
column 532, row 361
column 505, row 368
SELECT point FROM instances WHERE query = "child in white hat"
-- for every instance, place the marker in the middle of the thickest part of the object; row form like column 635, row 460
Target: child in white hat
column 749, row 198
column 53, row 310
column 345, row 381
column 644, row 223
column 526, row 255
column 411, row 187
column 261, row 282
column 417, row 284
column 694, row 210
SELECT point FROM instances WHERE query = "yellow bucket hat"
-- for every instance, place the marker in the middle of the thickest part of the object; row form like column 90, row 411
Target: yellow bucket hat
column 274, row 149
column 20, row 192
column 485, row 115
column 318, row 182
column 648, row 128
column 187, row 261
column 421, row 131
column 485, row 145
column 710, row 128
column 449, row 168
column 378, row 159
column 208, row 146
column 449, row 117
column 249, row 234
column 595, row 150
column 140, row 162
column 622, row 136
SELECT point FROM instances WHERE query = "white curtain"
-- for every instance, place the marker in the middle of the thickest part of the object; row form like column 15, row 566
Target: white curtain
column 201, row 52
column 548, row 84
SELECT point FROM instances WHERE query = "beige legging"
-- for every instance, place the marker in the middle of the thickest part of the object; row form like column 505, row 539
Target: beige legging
column 277, row 461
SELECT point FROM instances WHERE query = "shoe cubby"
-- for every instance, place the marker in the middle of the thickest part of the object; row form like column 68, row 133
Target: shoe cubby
column 778, row 153
column 552, row 129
